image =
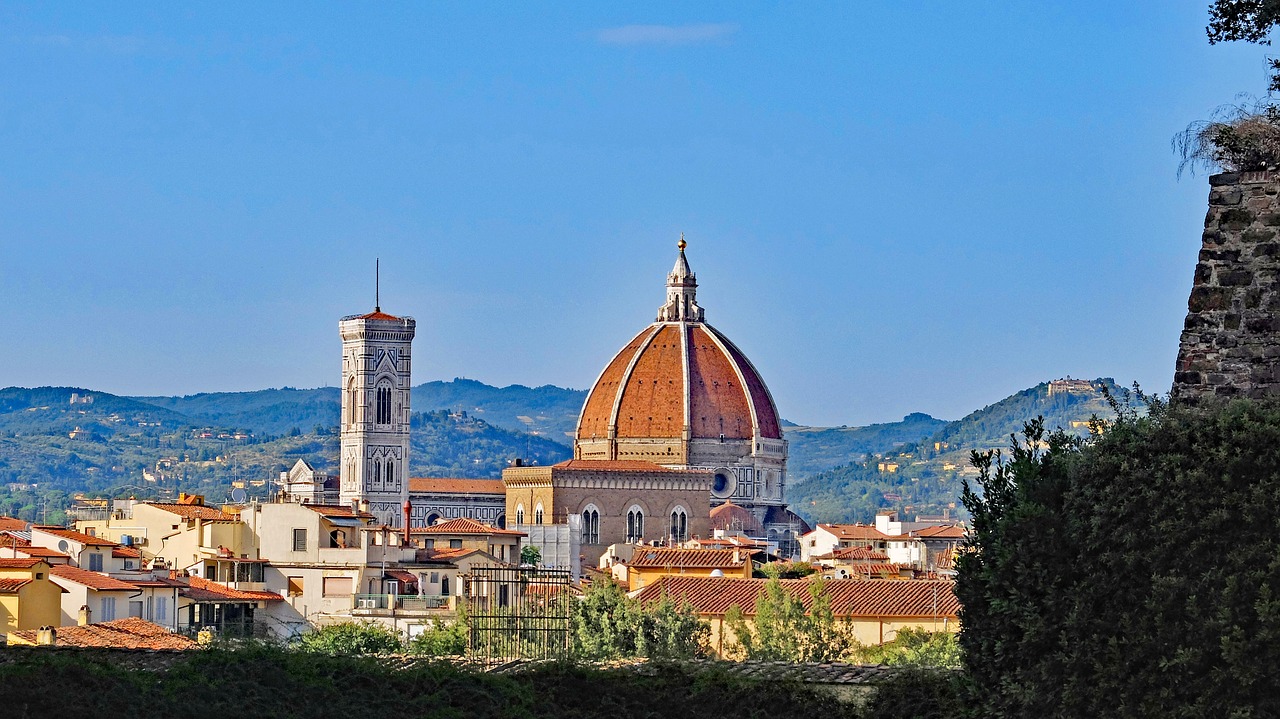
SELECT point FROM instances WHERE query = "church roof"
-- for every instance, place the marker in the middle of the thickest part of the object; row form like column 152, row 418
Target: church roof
column 464, row 525
column 732, row 516
column 679, row 373
column 455, row 485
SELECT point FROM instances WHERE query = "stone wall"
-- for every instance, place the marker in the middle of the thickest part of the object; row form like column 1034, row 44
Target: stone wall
column 1231, row 339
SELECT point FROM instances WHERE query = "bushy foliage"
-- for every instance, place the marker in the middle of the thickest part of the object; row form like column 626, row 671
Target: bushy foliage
column 920, row 693
column 1240, row 137
column 441, row 639
column 353, row 639
column 1135, row 574
column 607, row 624
column 913, row 647
column 782, row 629
column 530, row 554
column 786, row 570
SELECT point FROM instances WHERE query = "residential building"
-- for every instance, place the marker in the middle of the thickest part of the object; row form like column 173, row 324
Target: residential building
column 874, row 611
column 28, row 598
column 650, row 564
column 826, row 538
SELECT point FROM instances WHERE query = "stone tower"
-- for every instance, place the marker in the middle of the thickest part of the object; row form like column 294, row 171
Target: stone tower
column 1231, row 339
column 376, row 363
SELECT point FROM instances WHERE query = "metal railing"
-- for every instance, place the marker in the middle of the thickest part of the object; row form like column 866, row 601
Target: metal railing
column 400, row 602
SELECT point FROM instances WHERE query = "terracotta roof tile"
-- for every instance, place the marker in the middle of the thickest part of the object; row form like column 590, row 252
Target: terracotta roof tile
column 194, row 511
column 203, row 590
column 732, row 516
column 11, row 586
column 20, row 563
column 855, row 553
column 452, row 485
column 849, row 597
column 377, row 315
column 657, row 557
column 73, row 535
column 465, row 525
column 597, row 410
column 42, row 552
column 940, row 532
column 855, row 531
column 129, row 633
column 717, row 403
column 612, row 465
column 123, row 552
column 9, row 523
column 93, row 580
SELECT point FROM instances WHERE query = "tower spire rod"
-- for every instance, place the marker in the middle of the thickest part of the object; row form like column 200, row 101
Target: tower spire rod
column 377, row 284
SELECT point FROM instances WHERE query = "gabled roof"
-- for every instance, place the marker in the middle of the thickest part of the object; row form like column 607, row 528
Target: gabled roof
column 465, row 525
column 453, row 485
column 854, row 531
column 194, row 511
column 130, row 633
column 20, row 563
column 70, row 534
column 123, row 552
column 41, row 552
column 940, row 532
column 849, row 597
column 7, row 523
column 11, row 586
column 661, row 557
column 203, row 590
column 855, row 553
column 92, row 580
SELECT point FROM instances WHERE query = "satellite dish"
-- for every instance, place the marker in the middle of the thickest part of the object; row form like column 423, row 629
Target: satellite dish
column 63, row 546
column 239, row 496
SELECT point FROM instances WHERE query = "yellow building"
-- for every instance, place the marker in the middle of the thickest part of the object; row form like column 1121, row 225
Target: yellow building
column 184, row 533
column 649, row 564
column 28, row 600
column 874, row 610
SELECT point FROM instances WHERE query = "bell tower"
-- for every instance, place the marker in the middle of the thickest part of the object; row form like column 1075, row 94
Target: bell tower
column 376, row 363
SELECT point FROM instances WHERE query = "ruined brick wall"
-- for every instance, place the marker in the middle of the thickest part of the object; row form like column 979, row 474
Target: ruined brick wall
column 1231, row 339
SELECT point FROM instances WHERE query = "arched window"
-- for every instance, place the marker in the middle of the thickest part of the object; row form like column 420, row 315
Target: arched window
column 390, row 474
column 591, row 525
column 351, row 402
column 519, row 514
column 635, row 524
column 679, row 525
column 432, row 519
column 376, row 476
column 384, row 402
column 501, row 522
column 537, row 514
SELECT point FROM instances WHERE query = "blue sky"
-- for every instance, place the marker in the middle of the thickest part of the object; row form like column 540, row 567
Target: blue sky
column 890, row 207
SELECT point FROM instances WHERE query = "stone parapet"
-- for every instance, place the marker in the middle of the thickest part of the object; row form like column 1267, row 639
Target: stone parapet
column 1230, row 343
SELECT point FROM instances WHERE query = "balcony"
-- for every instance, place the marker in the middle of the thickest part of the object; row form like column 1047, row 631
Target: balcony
column 397, row 605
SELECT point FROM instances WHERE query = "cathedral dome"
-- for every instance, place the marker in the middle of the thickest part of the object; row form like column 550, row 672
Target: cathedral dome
column 679, row 379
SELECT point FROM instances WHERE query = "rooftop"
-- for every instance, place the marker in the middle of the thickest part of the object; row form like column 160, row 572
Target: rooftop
column 74, row 536
column 454, row 485
column 854, row 531
column 130, row 633
column 194, row 511
column 690, row 558
column 93, row 580
column 465, row 525
column 203, row 590
column 849, row 597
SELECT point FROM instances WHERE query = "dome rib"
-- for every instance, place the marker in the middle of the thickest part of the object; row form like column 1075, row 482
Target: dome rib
column 601, row 403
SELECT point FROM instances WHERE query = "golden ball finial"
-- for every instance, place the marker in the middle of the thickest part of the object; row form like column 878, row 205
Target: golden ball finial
column 682, row 244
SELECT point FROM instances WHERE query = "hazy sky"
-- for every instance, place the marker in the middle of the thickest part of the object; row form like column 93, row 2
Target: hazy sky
column 891, row 207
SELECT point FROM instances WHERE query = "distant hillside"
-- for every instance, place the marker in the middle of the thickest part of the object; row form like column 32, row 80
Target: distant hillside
column 547, row 411
column 814, row 449
column 50, row 448
column 924, row 477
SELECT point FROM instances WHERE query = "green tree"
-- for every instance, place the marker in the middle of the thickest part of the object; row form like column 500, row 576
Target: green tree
column 1134, row 574
column 441, row 639
column 353, row 638
column 530, row 554
column 607, row 624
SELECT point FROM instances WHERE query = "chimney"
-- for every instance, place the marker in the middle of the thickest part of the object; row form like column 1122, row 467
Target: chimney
column 408, row 510
column 737, row 556
column 86, row 615
column 46, row 636
column 355, row 506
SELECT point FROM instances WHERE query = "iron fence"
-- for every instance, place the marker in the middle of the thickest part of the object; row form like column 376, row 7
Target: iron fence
column 517, row 613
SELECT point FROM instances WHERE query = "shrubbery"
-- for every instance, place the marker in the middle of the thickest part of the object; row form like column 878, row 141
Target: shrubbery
column 1135, row 574
column 607, row 624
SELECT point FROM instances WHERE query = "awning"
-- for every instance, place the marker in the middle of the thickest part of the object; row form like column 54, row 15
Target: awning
column 343, row 521
column 401, row 576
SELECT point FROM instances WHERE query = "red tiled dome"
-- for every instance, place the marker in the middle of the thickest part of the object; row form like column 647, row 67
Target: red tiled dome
column 675, row 375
